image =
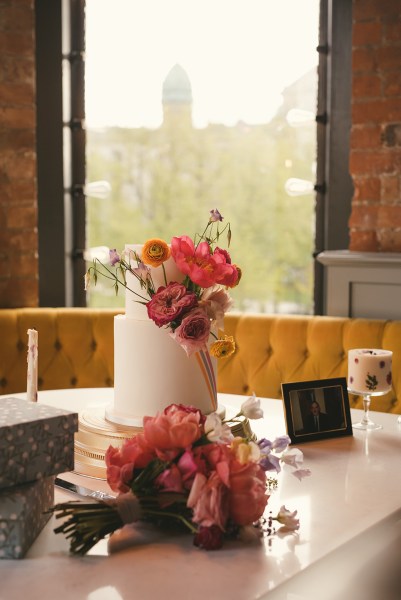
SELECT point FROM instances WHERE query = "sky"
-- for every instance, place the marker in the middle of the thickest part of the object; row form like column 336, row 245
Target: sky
column 238, row 54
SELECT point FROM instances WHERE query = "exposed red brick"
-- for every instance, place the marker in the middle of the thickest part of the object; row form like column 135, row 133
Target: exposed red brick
column 19, row 292
column 366, row 86
column 17, row 18
column 363, row 241
column 389, row 216
column 390, row 188
column 17, row 69
column 366, row 33
column 17, row 139
column 392, row 83
column 389, row 240
column 367, row 188
column 17, row 118
column 389, row 57
column 363, row 10
column 371, row 163
column 20, row 44
column 19, row 241
column 17, row 94
column 364, row 217
column 365, row 136
column 384, row 110
column 364, row 59
column 21, row 217
column 22, row 168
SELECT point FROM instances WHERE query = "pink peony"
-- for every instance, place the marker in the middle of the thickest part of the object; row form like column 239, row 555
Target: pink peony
column 247, row 493
column 168, row 434
column 170, row 480
column 193, row 332
column 202, row 267
column 169, row 303
column 208, row 500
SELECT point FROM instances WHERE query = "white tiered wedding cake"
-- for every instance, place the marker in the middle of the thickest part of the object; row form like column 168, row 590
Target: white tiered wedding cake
column 151, row 370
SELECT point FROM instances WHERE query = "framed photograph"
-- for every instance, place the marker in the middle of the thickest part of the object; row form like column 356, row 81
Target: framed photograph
column 315, row 410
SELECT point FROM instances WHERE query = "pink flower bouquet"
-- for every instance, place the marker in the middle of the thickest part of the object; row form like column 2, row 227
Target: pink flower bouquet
column 191, row 309
column 184, row 470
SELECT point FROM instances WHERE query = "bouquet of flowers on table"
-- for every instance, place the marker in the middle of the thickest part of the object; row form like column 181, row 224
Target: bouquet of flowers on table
column 192, row 308
column 186, row 471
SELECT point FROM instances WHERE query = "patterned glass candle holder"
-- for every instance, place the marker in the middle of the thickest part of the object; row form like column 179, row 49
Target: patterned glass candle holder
column 369, row 374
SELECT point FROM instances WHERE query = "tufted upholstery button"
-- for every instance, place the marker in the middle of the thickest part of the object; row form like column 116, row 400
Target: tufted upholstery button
column 93, row 345
column 3, row 382
column 109, row 382
column 269, row 351
column 40, row 382
column 306, row 353
column 245, row 388
column 74, row 381
column 20, row 346
column 57, row 345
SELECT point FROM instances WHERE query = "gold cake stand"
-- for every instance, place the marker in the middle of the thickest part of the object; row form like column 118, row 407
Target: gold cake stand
column 95, row 434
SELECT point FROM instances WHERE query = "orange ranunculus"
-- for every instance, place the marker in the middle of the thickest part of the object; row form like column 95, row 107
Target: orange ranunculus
column 223, row 347
column 155, row 252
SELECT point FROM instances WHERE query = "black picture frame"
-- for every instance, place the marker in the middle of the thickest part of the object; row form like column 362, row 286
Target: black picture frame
column 300, row 399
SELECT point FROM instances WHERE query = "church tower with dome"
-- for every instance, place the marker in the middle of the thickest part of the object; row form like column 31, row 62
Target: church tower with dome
column 177, row 98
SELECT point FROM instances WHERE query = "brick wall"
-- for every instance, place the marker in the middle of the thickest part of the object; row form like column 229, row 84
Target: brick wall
column 375, row 158
column 18, row 201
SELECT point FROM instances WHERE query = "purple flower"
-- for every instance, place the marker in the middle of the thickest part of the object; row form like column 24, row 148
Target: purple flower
column 215, row 216
column 270, row 462
column 114, row 257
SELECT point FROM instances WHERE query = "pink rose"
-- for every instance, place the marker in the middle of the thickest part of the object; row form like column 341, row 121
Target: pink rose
column 193, row 333
column 209, row 501
column 247, row 492
column 169, row 303
column 168, row 434
column 209, row 538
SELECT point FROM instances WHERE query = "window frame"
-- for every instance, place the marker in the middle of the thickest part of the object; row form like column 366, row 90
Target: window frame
column 60, row 41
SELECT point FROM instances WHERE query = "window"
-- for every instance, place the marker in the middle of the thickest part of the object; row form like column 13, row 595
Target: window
column 60, row 218
column 207, row 110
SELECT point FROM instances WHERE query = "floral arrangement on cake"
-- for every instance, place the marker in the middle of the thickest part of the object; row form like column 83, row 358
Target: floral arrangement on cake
column 186, row 470
column 191, row 309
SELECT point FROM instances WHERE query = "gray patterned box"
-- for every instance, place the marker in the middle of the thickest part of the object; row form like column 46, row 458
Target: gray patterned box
column 36, row 441
column 23, row 516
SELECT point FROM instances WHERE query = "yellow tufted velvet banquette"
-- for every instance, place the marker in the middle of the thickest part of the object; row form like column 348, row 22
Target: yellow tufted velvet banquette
column 76, row 350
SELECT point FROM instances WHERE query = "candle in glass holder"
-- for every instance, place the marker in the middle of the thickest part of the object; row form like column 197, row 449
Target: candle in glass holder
column 32, row 359
column 369, row 370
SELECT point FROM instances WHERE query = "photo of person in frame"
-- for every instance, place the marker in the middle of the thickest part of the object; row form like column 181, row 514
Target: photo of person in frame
column 317, row 420
column 315, row 410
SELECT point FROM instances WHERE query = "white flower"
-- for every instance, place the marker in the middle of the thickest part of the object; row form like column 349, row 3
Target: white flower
column 87, row 279
column 216, row 431
column 251, row 408
column 288, row 519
